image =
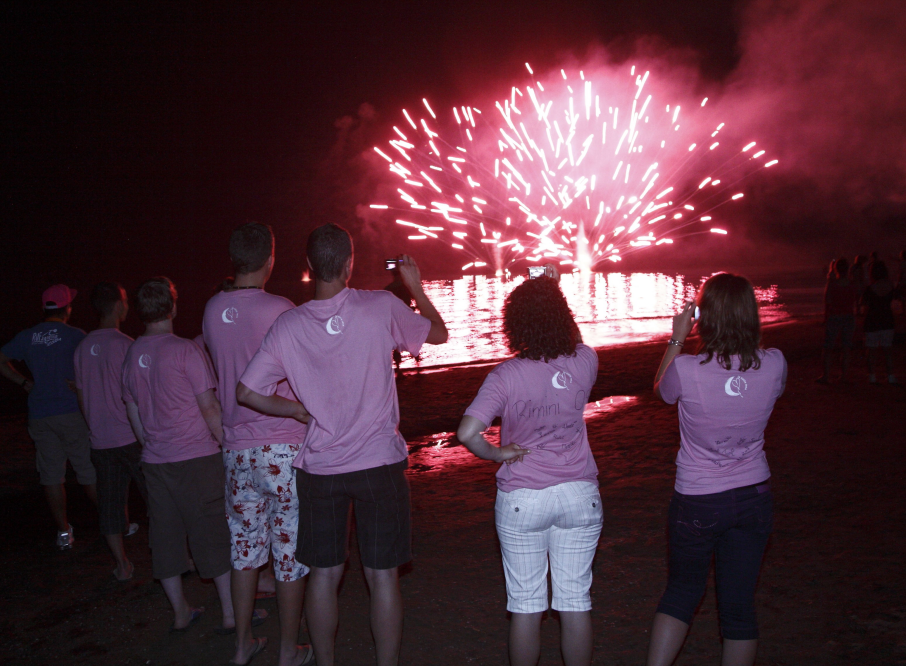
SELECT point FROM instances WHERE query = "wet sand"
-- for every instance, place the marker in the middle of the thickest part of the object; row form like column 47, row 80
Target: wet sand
column 832, row 587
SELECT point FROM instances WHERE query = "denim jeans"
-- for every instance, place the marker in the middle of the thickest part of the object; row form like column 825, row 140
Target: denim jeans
column 734, row 526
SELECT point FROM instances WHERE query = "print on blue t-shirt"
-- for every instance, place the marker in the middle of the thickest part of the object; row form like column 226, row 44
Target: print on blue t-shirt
column 48, row 350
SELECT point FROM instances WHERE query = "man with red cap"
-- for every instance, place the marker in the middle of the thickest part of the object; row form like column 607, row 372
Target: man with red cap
column 54, row 420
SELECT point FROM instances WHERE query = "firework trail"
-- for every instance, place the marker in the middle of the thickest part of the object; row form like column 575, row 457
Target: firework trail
column 564, row 172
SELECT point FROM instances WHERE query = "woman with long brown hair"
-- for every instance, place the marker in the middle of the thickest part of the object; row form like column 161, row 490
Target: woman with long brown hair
column 722, row 504
column 548, row 506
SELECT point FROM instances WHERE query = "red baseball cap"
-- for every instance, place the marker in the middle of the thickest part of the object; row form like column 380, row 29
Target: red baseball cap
column 57, row 296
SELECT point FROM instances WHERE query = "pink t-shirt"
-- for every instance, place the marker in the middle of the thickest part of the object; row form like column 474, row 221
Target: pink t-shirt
column 235, row 323
column 541, row 407
column 722, row 417
column 98, row 371
column 162, row 375
column 337, row 356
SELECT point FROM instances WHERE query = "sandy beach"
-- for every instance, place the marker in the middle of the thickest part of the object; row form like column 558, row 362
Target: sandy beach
column 832, row 587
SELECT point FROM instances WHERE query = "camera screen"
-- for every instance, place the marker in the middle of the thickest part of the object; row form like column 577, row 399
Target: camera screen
column 535, row 271
column 390, row 264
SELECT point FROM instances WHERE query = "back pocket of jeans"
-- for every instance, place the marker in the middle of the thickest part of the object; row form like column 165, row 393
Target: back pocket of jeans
column 697, row 521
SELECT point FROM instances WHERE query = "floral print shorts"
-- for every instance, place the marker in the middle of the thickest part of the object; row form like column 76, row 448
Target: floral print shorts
column 262, row 508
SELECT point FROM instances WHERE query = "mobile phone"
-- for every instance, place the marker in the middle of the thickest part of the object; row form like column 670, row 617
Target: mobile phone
column 535, row 272
column 390, row 264
column 698, row 314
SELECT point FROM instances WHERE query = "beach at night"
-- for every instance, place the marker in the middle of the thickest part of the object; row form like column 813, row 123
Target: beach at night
column 830, row 591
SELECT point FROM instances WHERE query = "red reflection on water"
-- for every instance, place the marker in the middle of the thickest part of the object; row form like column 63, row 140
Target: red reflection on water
column 610, row 308
column 436, row 453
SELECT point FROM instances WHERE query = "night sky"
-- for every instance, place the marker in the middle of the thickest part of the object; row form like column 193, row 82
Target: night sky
column 137, row 135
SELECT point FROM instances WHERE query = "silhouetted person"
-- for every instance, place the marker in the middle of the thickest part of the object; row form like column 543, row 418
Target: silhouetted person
column 840, row 299
column 879, row 321
column 334, row 350
column 54, row 421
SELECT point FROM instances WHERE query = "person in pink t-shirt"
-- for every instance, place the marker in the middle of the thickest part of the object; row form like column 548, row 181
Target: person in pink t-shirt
column 115, row 453
column 168, row 389
column 258, row 450
column 336, row 353
column 548, row 506
column 722, row 504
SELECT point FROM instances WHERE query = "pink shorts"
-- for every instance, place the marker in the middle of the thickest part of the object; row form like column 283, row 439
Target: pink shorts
column 262, row 508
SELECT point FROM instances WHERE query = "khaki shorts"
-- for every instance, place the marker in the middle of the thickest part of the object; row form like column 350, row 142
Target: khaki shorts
column 185, row 499
column 58, row 438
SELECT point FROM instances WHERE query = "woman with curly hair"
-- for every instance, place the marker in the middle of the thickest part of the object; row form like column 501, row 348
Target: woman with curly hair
column 548, row 505
column 722, row 504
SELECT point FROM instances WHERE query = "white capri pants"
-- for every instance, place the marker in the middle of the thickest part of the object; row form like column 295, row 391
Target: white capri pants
column 561, row 523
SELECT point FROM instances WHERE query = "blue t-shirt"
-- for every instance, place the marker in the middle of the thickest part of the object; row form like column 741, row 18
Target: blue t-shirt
column 48, row 350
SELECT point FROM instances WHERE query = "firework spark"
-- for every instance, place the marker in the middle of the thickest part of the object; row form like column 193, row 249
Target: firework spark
column 562, row 172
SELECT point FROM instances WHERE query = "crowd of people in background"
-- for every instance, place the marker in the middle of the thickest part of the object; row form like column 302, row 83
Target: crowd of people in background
column 863, row 293
column 253, row 444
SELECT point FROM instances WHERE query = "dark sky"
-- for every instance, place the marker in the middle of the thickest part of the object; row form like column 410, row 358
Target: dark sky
column 136, row 135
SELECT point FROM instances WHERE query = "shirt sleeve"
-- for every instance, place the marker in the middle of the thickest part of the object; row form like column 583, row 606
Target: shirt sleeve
column 670, row 385
column 491, row 399
column 197, row 370
column 783, row 375
column 16, row 348
column 408, row 329
column 266, row 368
column 590, row 357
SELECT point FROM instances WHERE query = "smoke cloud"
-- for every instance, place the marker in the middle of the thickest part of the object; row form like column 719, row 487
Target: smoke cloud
column 821, row 85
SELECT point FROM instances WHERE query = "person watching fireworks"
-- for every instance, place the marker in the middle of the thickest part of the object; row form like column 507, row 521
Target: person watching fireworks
column 879, row 320
column 840, row 298
column 335, row 353
column 548, row 506
column 722, row 504
column 168, row 388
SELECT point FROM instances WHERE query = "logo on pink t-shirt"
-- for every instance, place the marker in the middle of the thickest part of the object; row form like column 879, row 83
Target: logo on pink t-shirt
column 230, row 315
column 95, row 350
column 561, row 380
column 735, row 386
column 144, row 361
column 335, row 325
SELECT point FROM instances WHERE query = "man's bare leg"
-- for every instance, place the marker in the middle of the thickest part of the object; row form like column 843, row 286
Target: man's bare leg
column 222, row 583
column 290, row 595
column 321, row 610
column 386, row 614
column 91, row 490
column 123, row 565
column 243, row 585
column 182, row 612
column 56, row 500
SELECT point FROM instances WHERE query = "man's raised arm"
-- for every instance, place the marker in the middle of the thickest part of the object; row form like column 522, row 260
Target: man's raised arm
column 413, row 280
